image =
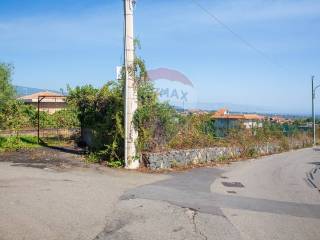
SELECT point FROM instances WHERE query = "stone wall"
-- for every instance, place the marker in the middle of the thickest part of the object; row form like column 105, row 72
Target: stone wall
column 178, row 158
column 185, row 157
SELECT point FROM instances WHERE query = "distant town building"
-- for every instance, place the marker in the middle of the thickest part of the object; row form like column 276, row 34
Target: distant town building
column 194, row 112
column 50, row 102
column 224, row 120
column 280, row 120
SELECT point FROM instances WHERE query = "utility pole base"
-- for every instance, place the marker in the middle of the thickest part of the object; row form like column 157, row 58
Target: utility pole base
column 134, row 164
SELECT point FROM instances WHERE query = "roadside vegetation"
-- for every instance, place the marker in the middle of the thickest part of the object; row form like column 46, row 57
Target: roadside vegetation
column 160, row 127
column 16, row 116
column 99, row 113
column 15, row 143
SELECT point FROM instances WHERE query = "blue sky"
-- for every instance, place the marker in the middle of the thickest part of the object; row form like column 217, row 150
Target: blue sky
column 76, row 42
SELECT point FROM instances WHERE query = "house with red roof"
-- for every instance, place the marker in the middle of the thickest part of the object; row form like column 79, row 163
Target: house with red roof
column 224, row 120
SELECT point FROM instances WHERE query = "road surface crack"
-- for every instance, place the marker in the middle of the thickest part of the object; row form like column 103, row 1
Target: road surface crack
column 196, row 229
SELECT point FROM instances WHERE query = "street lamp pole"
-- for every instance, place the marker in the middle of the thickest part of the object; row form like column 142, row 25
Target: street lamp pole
column 313, row 110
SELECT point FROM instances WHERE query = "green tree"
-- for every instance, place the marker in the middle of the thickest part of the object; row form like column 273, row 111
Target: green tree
column 101, row 111
column 7, row 92
column 15, row 115
column 83, row 99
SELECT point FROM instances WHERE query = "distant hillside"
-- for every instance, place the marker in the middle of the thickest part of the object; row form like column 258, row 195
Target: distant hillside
column 23, row 91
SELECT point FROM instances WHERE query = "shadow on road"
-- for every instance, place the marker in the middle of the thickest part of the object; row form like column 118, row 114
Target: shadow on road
column 315, row 163
column 65, row 149
column 77, row 151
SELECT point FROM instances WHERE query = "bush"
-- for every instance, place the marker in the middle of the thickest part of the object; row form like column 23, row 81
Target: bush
column 195, row 131
column 156, row 122
column 101, row 111
column 15, row 115
column 65, row 118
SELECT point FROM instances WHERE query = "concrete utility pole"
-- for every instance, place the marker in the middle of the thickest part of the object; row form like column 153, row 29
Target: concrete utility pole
column 131, row 99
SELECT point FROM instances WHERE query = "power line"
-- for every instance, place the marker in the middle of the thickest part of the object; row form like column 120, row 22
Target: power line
column 236, row 35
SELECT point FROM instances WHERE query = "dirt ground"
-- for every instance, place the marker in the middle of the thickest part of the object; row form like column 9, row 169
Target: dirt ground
column 46, row 157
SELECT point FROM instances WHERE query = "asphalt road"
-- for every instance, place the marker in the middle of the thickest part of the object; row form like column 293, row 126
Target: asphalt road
column 268, row 198
column 60, row 203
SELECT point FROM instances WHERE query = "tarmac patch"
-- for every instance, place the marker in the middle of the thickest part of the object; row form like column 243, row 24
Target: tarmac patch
column 233, row 184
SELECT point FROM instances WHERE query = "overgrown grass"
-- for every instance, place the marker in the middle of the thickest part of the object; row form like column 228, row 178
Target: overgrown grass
column 18, row 142
column 14, row 143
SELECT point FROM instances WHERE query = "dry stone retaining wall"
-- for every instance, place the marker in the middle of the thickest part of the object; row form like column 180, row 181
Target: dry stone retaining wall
column 165, row 160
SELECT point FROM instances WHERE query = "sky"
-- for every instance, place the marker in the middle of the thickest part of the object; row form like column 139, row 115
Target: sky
column 262, row 56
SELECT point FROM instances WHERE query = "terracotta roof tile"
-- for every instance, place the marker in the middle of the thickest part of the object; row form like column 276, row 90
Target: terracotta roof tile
column 220, row 114
column 36, row 95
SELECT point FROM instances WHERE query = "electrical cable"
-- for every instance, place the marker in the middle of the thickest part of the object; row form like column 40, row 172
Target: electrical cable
column 236, row 35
